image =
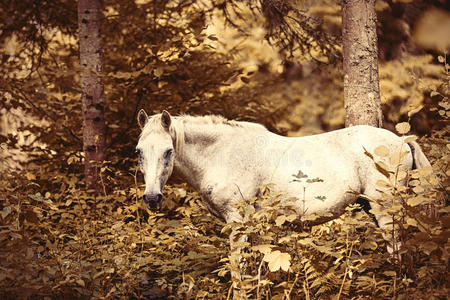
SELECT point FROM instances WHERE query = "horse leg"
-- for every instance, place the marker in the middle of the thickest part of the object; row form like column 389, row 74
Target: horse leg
column 237, row 240
column 384, row 220
column 236, row 265
column 236, row 245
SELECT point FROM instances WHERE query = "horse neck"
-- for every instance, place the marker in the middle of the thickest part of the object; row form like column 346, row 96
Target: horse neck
column 201, row 144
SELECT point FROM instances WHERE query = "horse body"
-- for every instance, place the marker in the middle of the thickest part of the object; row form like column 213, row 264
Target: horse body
column 227, row 161
column 233, row 162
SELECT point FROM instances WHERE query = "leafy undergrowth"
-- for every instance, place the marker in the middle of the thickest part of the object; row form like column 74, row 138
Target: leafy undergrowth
column 70, row 244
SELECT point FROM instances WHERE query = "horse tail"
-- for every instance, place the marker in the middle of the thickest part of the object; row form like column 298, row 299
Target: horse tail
column 419, row 159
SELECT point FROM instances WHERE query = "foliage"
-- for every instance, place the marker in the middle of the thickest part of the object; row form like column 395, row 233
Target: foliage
column 407, row 84
column 58, row 241
column 289, row 25
column 102, row 247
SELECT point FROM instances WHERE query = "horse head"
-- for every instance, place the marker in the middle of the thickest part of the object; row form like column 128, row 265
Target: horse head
column 156, row 155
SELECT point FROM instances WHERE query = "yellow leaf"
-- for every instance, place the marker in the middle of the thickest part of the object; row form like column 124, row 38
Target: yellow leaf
column 434, row 180
column 5, row 212
column 280, row 220
column 80, row 282
column 410, row 139
column 389, row 273
column 285, row 239
column 418, row 189
column 310, row 217
column 30, row 176
column 414, row 182
column 382, row 151
column 383, row 183
column 416, row 201
column 414, row 111
column 278, row 260
column 291, row 218
column 401, row 175
column 264, row 249
column 403, row 128
column 425, row 171
column 397, row 158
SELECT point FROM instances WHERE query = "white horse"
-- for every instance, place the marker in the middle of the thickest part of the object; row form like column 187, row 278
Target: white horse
column 227, row 161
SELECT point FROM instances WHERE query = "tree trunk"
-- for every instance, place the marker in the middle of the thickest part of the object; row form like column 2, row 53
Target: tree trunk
column 361, row 84
column 89, row 23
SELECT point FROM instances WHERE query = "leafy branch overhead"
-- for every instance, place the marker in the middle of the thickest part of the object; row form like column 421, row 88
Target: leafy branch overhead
column 288, row 27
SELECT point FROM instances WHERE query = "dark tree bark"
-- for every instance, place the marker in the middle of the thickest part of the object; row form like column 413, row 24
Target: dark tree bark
column 361, row 83
column 89, row 22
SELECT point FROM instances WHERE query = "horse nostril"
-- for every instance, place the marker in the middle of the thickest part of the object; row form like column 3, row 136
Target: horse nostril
column 153, row 201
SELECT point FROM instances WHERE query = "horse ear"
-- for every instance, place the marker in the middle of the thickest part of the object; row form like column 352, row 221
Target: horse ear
column 165, row 119
column 142, row 118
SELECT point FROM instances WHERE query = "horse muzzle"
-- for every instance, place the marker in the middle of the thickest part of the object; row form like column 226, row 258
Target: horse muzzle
column 153, row 201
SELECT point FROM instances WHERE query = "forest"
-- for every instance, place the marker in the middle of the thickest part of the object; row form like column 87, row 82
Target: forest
column 74, row 76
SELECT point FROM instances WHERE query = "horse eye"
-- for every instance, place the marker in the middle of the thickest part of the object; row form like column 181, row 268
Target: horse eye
column 168, row 153
column 138, row 152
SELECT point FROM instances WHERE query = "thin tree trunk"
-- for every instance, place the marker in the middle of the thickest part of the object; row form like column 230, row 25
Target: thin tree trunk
column 361, row 83
column 93, row 99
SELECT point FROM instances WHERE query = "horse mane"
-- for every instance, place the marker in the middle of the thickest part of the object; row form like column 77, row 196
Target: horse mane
column 177, row 128
column 209, row 120
column 219, row 120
